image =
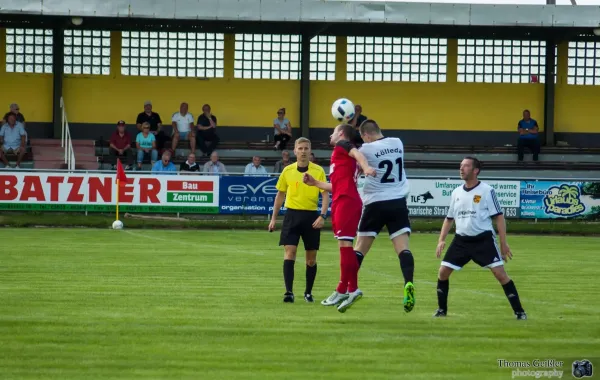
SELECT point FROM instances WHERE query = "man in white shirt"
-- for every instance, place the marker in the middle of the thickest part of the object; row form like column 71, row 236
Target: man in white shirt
column 472, row 208
column 255, row 168
column 384, row 202
column 183, row 127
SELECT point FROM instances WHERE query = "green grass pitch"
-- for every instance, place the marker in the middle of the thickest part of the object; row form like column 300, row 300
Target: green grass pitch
column 199, row 304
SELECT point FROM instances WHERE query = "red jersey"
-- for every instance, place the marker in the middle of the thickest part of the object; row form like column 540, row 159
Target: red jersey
column 343, row 172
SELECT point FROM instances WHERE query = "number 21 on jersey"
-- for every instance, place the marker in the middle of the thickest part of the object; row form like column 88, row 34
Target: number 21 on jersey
column 389, row 167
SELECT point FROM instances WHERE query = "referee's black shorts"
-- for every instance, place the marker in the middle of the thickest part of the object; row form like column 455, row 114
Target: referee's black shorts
column 482, row 249
column 298, row 224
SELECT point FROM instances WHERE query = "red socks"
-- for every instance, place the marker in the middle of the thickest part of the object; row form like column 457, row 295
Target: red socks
column 349, row 270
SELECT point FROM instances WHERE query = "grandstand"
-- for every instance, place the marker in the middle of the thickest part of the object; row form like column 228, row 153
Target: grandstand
column 445, row 90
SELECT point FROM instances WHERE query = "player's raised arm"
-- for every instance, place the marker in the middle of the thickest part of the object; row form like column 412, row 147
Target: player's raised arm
column 311, row 181
column 362, row 161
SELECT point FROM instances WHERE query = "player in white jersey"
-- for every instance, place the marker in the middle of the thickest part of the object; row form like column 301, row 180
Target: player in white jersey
column 384, row 202
column 472, row 208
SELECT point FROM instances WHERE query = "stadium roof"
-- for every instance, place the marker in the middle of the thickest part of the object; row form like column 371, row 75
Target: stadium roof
column 318, row 11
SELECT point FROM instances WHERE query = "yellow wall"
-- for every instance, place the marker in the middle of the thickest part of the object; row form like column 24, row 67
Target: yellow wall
column 235, row 102
column 576, row 107
column 437, row 106
column 33, row 92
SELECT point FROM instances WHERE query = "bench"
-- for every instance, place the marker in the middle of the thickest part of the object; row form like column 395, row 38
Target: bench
column 322, row 149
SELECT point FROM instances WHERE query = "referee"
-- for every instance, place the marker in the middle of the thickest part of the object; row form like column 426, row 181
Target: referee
column 472, row 208
column 301, row 218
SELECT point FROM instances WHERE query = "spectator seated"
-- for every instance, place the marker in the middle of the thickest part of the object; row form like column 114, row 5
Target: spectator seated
column 26, row 163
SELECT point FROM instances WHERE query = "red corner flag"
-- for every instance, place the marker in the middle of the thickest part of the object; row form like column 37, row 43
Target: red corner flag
column 121, row 181
column 121, row 177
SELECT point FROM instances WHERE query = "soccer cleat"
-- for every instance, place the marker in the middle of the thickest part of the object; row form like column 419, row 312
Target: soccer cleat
column 521, row 315
column 288, row 297
column 409, row 297
column 351, row 300
column 440, row 313
column 309, row 298
column 334, row 299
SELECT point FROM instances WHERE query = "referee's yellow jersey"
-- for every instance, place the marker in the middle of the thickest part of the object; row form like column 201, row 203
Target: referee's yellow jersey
column 299, row 195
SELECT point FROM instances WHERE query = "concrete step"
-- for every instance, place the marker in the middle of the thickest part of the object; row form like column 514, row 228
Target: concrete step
column 57, row 143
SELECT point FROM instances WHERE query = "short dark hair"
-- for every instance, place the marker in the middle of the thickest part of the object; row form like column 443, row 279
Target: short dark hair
column 9, row 114
column 348, row 131
column 476, row 163
column 369, row 127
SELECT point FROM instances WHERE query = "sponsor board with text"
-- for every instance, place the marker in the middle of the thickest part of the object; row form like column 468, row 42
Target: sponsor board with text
column 431, row 197
column 249, row 195
column 560, row 199
column 97, row 192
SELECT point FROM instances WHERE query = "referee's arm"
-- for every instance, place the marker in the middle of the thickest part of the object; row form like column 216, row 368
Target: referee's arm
column 279, row 198
column 281, row 187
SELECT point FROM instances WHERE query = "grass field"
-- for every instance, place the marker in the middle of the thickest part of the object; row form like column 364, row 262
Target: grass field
column 199, row 304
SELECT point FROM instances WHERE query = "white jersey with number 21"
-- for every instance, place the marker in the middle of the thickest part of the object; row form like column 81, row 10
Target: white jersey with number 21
column 386, row 156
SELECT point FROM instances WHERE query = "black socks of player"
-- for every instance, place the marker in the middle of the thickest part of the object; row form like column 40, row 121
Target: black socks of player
column 288, row 274
column 311, row 274
column 359, row 257
column 442, row 292
column 407, row 264
column 513, row 297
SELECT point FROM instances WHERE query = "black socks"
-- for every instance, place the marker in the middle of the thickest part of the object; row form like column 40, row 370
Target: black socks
column 442, row 292
column 288, row 274
column 513, row 297
column 359, row 257
column 407, row 264
column 311, row 274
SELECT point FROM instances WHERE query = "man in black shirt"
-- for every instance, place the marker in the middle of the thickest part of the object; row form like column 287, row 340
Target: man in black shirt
column 155, row 122
column 358, row 119
column 207, row 131
column 190, row 165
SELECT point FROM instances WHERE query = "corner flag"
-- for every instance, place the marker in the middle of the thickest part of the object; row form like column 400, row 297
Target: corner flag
column 121, row 181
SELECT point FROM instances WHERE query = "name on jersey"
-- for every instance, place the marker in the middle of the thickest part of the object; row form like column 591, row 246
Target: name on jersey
column 383, row 152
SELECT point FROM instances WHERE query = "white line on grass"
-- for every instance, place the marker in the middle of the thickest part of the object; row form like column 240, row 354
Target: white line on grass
column 199, row 245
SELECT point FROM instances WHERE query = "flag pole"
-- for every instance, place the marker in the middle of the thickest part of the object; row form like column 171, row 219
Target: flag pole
column 117, row 199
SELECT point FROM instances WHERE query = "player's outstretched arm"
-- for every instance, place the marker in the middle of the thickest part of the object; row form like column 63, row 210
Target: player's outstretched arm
column 362, row 161
column 501, row 227
column 446, row 226
column 311, row 181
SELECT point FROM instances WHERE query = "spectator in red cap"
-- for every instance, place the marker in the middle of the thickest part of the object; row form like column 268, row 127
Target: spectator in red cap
column 120, row 146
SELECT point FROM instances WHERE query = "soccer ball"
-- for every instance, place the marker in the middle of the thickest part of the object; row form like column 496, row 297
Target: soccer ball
column 117, row 225
column 343, row 110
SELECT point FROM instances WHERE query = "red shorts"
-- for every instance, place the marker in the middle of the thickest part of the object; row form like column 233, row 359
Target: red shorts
column 345, row 216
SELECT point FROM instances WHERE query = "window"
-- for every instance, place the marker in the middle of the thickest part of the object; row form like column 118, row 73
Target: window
column 29, row 51
column 87, row 52
column 584, row 63
column 501, row 61
column 322, row 58
column 267, row 56
column 196, row 55
column 396, row 59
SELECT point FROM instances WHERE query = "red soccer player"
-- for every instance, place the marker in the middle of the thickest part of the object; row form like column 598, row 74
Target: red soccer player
column 346, row 210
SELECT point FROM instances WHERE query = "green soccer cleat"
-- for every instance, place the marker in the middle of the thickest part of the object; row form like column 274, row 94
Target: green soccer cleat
column 409, row 297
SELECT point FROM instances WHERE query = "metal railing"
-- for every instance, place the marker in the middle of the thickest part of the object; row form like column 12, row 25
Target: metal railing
column 66, row 142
